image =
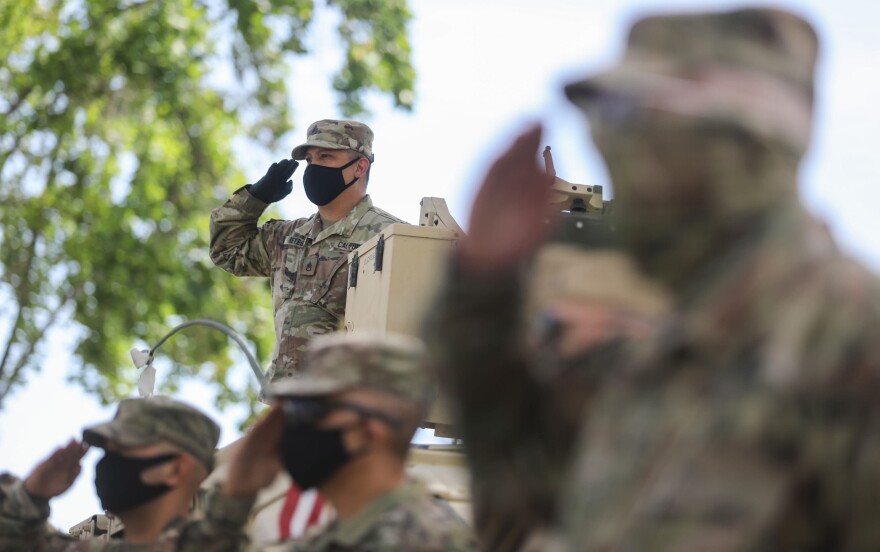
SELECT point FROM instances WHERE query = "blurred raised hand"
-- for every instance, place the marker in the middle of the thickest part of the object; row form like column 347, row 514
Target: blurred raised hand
column 255, row 461
column 54, row 475
column 508, row 218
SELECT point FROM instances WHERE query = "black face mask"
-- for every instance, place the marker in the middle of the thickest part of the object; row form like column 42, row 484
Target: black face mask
column 324, row 184
column 312, row 455
column 118, row 481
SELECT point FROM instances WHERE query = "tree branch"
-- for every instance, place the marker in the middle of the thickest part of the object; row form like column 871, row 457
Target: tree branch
column 22, row 361
column 19, row 101
column 11, row 340
column 8, row 153
column 21, row 296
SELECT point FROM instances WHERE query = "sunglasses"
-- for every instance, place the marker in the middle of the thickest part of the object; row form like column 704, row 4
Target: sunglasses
column 308, row 411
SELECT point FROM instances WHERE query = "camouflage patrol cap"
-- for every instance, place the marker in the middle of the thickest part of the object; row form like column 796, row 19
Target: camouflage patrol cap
column 332, row 134
column 141, row 422
column 752, row 68
column 341, row 361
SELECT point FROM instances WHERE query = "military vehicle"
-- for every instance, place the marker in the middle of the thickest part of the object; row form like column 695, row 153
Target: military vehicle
column 392, row 280
column 581, row 260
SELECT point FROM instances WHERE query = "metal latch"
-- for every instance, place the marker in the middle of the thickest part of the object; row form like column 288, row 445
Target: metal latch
column 380, row 254
column 353, row 270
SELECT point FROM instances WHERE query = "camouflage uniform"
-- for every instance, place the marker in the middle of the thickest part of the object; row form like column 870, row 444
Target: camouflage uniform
column 306, row 263
column 24, row 518
column 519, row 428
column 748, row 424
column 407, row 517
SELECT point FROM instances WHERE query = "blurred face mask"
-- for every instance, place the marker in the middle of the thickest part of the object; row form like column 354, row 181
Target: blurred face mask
column 118, row 481
column 324, row 184
column 311, row 455
column 685, row 187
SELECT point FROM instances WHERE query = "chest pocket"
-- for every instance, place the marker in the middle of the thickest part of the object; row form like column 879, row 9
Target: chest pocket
column 316, row 274
column 285, row 270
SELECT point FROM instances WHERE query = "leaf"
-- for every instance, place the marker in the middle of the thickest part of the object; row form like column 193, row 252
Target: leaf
column 114, row 147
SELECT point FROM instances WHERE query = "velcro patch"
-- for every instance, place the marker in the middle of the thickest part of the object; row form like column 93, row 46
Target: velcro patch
column 296, row 241
column 347, row 246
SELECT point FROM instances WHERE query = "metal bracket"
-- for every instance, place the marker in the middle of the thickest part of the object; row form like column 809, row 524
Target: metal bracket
column 353, row 271
column 380, row 254
column 434, row 213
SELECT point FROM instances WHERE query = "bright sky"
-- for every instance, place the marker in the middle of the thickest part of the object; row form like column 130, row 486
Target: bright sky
column 484, row 69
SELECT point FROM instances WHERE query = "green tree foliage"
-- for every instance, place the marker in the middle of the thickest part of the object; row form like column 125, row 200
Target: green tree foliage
column 116, row 119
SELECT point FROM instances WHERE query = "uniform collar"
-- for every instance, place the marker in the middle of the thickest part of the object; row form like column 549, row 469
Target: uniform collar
column 343, row 227
column 351, row 531
column 174, row 528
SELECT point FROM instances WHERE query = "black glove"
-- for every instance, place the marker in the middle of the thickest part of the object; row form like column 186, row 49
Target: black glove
column 276, row 184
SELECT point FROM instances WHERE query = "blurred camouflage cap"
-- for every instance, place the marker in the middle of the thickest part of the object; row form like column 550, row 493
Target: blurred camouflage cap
column 752, row 68
column 332, row 134
column 140, row 422
column 341, row 361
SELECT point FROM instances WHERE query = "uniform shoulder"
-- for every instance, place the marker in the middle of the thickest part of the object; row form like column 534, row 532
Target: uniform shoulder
column 276, row 230
column 284, row 223
column 427, row 523
column 382, row 215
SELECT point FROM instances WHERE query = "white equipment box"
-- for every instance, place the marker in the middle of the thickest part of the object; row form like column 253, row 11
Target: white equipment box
column 393, row 278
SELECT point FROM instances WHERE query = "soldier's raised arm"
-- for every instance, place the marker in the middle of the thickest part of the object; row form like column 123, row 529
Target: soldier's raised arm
column 24, row 504
column 238, row 245
column 507, row 418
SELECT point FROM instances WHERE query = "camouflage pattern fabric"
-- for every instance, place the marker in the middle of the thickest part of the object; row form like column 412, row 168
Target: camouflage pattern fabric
column 750, row 69
column 332, row 134
column 24, row 527
column 519, row 426
column 141, row 422
column 306, row 263
column 747, row 423
column 336, row 362
column 407, row 518
column 751, row 424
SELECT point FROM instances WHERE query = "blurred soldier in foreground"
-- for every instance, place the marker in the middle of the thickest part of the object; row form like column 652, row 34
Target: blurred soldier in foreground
column 306, row 260
column 344, row 426
column 748, row 421
column 515, row 349
column 157, row 452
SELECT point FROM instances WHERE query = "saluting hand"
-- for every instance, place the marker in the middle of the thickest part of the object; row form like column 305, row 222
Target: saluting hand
column 255, row 461
column 508, row 219
column 275, row 184
column 56, row 474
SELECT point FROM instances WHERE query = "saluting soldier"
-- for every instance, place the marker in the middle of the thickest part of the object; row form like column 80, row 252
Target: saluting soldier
column 344, row 426
column 748, row 419
column 157, row 453
column 306, row 260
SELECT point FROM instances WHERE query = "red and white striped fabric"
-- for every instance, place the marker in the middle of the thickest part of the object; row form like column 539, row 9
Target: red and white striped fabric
column 284, row 512
column 301, row 511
